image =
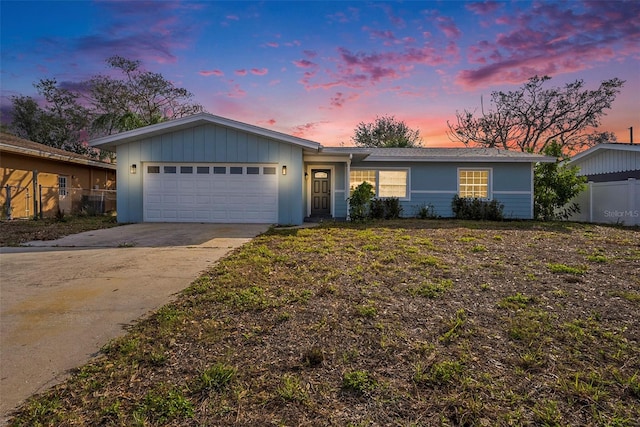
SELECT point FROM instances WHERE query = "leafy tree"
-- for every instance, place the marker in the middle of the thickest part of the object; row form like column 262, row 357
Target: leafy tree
column 555, row 185
column 141, row 98
column 529, row 118
column 28, row 118
column 386, row 131
column 60, row 123
column 100, row 106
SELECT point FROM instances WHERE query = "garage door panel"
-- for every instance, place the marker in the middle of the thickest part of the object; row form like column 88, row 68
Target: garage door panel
column 210, row 197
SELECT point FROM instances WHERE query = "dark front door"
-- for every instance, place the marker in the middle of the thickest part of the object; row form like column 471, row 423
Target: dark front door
column 320, row 192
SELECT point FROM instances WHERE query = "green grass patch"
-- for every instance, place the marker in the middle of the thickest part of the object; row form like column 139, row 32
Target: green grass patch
column 563, row 268
column 432, row 289
column 517, row 301
column 360, row 382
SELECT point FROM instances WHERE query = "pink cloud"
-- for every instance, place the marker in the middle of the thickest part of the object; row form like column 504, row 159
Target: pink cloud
column 303, row 63
column 351, row 15
column 310, row 53
column 360, row 69
column 259, row 71
column 240, row 72
column 448, row 27
column 339, row 99
column 553, row 40
column 483, row 8
column 303, row 131
column 269, row 122
column 273, row 44
column 236, row 92
column 207, row 73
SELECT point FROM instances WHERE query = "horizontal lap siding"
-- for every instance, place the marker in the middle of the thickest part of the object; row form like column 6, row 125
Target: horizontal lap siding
column 435, row 184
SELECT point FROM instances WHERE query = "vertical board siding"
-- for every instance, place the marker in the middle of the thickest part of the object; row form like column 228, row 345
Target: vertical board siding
column 609, row 161
column 187, row 141
column 198, row 144
column 209, row 144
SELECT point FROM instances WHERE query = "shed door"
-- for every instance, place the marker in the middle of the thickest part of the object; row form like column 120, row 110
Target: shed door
column 223, row 193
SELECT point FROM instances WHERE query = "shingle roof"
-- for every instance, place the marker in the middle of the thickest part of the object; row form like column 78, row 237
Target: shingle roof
column 14, row 144
column 423, row 154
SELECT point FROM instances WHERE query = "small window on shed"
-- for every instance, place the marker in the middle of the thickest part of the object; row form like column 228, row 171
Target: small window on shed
column 235, row 170
column 153, row 169
column 169, row 169
column 269, row 170
column 186, row 169
column 202, row 169
column 252, row 170
column 219, row 170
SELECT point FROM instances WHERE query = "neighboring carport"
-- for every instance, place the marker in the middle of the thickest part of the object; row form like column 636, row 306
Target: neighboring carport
column 63, row 300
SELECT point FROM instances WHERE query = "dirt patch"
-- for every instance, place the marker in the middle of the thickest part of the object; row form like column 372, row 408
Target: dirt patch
column 393, row 323
column 16, row 232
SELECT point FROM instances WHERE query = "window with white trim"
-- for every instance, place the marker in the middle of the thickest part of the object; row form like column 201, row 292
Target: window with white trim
column 62, row 185
column 386, row 183
column 357, row 177
column 473, row 183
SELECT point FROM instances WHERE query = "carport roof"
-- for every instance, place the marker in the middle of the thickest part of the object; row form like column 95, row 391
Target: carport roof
column 112, row 141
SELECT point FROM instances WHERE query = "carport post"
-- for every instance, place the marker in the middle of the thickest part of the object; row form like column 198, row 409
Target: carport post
column 40, row 200
column 35, row 188
column 8, row 202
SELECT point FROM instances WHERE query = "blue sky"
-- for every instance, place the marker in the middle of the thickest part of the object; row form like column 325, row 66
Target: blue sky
column 316, row 69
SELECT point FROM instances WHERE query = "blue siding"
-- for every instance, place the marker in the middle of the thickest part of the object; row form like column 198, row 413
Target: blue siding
column 435, row 184
column 206, row 144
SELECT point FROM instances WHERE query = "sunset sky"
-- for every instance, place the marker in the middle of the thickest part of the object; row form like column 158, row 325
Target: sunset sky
column 315, row 69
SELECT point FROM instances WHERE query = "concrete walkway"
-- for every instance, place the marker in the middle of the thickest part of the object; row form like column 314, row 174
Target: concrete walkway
column 62, row 300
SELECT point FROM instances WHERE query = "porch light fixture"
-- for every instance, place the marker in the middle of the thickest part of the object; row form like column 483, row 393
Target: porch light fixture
column 284, row 170
column 133, row 169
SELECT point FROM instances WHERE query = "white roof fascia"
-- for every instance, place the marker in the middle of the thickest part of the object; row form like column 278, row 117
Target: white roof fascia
column 55, row 156
column 470, row 159
column 200, row 118
column 323, row 157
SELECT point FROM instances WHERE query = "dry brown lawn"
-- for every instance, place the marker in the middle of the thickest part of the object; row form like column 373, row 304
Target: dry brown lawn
column 403, row 323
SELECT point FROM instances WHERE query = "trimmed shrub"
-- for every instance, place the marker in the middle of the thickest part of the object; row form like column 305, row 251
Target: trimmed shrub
column 477, row 209
column 360, row 201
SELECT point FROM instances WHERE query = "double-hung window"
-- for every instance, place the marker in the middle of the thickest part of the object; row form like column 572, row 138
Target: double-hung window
column 62, row 185
column 473, row 183
column 385, row 182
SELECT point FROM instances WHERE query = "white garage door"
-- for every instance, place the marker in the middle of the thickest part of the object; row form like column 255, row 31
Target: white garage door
column 225, row 193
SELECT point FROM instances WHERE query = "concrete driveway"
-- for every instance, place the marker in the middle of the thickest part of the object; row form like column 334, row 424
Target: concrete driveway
column 62, row 300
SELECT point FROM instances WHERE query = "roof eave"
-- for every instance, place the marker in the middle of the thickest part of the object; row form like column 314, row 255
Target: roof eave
column 54, row 156
column 459, row 159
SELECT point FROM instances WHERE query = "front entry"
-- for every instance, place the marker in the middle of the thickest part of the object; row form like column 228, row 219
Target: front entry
column 321, row 193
